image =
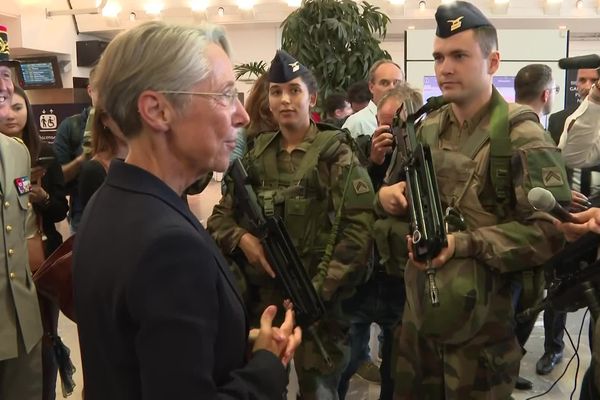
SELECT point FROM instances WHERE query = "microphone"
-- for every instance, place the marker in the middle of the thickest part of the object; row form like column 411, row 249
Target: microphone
column 590, row 61
column 543, row 200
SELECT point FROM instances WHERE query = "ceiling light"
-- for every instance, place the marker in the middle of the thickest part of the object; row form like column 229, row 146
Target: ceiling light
column 552, row 7
column 422, row 5
column 579, row 4
column 294, row 3
column 199, row 5
column 245, row 4
column 501, row 1
column 154, row 8
column 111, row 9
column 411, row 27
column 446, row 1
column 398, row 2
column 220, row 11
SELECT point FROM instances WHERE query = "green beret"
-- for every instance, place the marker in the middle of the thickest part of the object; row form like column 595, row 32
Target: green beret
column 284, row 68
column 458, row 16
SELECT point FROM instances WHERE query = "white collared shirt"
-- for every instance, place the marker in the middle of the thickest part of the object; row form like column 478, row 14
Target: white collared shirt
column 580, row 140
column 363, row 122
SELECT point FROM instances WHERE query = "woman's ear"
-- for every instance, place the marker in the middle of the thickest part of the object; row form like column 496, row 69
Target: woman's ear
column 155, row 111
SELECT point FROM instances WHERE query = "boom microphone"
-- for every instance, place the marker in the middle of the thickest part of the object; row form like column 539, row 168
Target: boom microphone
column 543, row 200
column 590, row 61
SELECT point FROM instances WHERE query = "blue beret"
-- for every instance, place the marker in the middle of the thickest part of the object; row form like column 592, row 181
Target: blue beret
column 284, row 68
column 458, row 16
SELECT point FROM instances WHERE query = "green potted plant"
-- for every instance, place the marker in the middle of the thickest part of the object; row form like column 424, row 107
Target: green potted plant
column 248, row 70
column 337, row 39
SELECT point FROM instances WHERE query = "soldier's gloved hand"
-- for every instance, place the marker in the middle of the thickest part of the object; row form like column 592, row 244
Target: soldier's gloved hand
column 381, row 144
column 255, row 254
column 393, row 199
column 446, row 254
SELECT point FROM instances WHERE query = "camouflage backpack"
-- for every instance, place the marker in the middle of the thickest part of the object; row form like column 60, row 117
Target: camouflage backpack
column 467, row 287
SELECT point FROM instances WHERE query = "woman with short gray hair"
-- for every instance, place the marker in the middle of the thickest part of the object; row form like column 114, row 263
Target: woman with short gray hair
column 158, row 312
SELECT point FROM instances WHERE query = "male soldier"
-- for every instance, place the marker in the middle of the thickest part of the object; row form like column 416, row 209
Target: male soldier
column 20, row 322
column 308, row 175
column 534, row 87
column 487, row 154
column 384, row 75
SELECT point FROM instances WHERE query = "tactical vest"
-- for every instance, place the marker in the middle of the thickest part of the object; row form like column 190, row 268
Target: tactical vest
column 466, row 286
column 301, row 198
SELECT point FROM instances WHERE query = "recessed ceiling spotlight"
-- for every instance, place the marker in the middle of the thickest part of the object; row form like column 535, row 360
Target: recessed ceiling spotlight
column 199, row 5
column 111, row 9
column 579, row 4
column 422, row 5
column 398, row 2
column 220, row 11
column 501, row 1
column 132, row 16
column 245, row 4
column 411, row 27
column 154, row 8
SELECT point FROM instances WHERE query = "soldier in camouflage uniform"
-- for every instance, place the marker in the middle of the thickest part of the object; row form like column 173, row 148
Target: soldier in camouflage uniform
column 308, row 174
column 487, row 155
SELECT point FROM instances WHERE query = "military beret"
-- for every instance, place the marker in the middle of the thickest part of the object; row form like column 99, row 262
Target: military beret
column 458, row 16
column 284, row 68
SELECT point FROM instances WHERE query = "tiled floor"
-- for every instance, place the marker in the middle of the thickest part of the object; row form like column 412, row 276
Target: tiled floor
column 361, row 390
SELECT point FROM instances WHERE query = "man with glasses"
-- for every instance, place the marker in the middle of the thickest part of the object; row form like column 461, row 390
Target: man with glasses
column 535, row 87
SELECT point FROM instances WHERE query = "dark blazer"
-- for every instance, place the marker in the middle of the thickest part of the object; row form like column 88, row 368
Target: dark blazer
column 556, row 123
column 158, row 314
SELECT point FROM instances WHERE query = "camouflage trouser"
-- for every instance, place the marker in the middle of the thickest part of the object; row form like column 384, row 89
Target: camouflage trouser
column 485, row 367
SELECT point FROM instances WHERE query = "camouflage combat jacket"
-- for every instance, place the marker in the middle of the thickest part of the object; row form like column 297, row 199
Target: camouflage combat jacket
column 307, row 196
column 498, row 237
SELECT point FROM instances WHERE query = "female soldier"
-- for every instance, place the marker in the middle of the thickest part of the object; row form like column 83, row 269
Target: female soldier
column 307, row 174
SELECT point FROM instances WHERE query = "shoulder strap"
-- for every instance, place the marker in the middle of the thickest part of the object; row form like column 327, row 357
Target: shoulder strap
column 322, row 148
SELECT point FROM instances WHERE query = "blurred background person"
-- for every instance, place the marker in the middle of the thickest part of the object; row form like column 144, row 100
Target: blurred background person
column 381, row 299
column 337, row 109
column 69, row 148
column 359, row 95
column 50, row 206
column 108, row 143
column 158, row 313
column 384, row 75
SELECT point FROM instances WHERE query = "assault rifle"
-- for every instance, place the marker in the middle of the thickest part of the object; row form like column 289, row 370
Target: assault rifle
column 414, row 163
column 281, row 255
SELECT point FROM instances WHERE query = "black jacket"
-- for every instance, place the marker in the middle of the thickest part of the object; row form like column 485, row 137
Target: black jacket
column 158, row 313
